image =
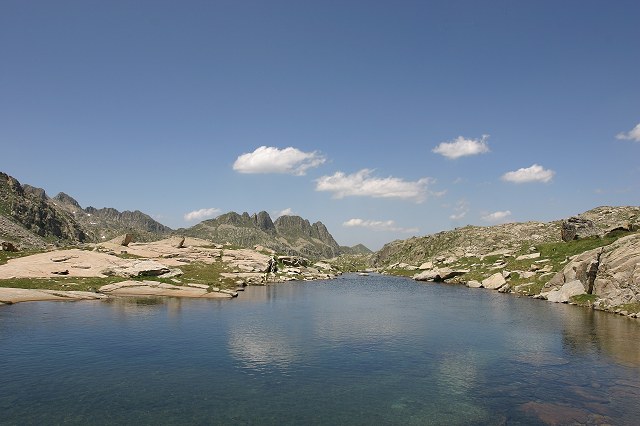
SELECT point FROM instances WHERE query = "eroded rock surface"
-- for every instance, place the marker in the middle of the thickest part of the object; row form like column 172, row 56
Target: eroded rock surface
column 611, row 272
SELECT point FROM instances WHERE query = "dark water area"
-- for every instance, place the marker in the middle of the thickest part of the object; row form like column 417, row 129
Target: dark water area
column 356, row 350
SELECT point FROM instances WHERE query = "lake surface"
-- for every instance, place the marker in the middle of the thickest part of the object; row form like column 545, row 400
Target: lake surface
column 355, row 350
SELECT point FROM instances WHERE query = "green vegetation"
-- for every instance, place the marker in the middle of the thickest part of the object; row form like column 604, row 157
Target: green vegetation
column 203, row 273
column 630, row 307
column 60, row 283
column 5, row 256
column 584, row 299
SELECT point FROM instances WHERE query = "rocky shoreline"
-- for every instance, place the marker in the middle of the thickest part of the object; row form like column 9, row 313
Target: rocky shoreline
column 173, row 267
column 605, row 278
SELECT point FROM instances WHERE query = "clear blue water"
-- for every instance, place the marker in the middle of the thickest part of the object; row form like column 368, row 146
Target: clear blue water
column 356, row 350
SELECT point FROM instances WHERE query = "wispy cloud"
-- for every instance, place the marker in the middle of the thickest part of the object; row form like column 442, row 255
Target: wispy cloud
column 268, row 159
column 460, row 210
column 462, row 147
column 201, row 214
column 535, row 173
column 378, row 225
column 497, row 216
column 286, row 212
column 364, row 185
column 631, row 135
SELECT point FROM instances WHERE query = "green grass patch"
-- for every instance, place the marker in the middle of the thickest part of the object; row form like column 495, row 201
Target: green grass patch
column 584, row 299
column 630, row 307
column 204, row 273
column 60, row 283
column 5, row 256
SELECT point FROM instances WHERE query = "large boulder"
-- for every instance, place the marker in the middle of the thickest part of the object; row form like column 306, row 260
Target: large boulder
column 122, row 240
column 577, row 227
column 140, row 268
column 439, row 274
column 494, row 282
column 566, row 292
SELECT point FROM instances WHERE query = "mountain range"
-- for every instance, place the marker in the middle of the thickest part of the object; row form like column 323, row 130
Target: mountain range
column 31, row 219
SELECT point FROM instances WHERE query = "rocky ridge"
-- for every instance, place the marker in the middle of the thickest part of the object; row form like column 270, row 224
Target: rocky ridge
column 475, row 241
column 287, row 234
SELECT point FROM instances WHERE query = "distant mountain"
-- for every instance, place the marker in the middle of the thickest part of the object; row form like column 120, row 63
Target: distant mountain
column 107, row 223
column 357, row 249
column 288, row 234
column 32, row 219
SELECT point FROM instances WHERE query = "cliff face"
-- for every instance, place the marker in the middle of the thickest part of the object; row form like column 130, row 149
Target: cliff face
column 288, row 234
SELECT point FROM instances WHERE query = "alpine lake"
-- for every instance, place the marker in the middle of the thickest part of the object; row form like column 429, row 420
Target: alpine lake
column 362, row 350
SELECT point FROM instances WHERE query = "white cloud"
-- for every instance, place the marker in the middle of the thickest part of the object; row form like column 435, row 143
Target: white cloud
column 201, row 214
column 460, row 210
column 461, row 147
column 631, row 135
column 286, row 212
column 268, row 159
column 378, row 225
column 363, row 184
column 535, row 173
column 497, row 216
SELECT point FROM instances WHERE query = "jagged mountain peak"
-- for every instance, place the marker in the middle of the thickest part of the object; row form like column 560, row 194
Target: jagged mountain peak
column 63, row 198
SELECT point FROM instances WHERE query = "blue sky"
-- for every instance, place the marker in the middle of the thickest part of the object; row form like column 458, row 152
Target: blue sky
column 382, row 119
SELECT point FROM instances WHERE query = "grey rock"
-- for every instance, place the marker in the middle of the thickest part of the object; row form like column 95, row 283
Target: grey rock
column 564, row 293
column 494, row 282
column 611, row 272
column 142, row 268
column 528, row 256
column 439, row 274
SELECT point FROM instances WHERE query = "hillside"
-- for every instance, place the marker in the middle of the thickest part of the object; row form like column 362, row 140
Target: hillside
column 475, row 241
column 288, row 234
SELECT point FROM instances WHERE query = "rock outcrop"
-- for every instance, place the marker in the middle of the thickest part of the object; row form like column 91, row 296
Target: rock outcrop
column 439, row 274
column 612, row 272
column 565, row 293
column 577, row 227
